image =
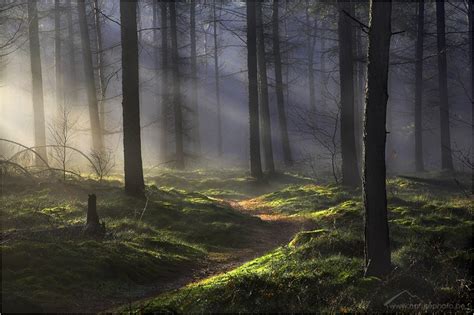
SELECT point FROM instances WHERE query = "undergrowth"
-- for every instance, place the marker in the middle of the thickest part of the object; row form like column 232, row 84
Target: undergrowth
column 322, row 270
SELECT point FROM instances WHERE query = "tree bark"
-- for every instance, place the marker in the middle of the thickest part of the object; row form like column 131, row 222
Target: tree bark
column 359, row 96
column 350, row 169
column 322, row 61
column 310, row 42
column 57, row 54
column 134, row 183
column 377, row 244
column 72, row 77
column 97, row 140
column 194, row 82
column 100, row 64
column 419, row 88
column 263, row 92
column 445, row 133
column 217, row 82
column 164, row 82
column 93, row 226
column 178, row 113
column 285, row 142
column 471, row 52
column 255, row 162
column 37, row 83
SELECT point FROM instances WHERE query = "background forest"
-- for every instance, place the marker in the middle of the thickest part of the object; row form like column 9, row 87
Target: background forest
column 236, row 156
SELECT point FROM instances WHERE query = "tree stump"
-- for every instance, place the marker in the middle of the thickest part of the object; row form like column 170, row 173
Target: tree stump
column 93, row 226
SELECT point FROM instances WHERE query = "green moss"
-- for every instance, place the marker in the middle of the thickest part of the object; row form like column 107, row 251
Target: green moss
column 46, row 258
column 322, row 269
column 48, row 261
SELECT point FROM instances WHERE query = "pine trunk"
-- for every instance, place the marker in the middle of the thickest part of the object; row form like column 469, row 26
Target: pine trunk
column 37, row 83
column 164, row 82
column 471, row 52
column 310, row 42
column 72, row 77
column 266, row 135
column 419, row 88
column 377, row 244
column 194, row 82
column 100, row 63
column 97, row 141
column 445, row 133
column 255, row 162
column 350, row 169
column 134, row 183
column 285, row 142
column 178, row 113
column 57, row 54
column 217, row 83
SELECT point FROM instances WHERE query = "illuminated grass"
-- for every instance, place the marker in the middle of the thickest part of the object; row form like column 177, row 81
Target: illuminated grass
column 322, row 270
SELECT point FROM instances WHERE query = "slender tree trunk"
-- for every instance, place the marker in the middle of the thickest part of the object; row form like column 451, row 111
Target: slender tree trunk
column 97, row 140
column 322, row 61
column 350, row 169
column 57, row 54
column 446, row 157
column 178, row 113
column 358, row 96
column 471, row 55
column 471, row 52
column 134, row 183
column 419, row 88
column 194, row 82
column 156, row 57
column 263, row 89
column 164, row 82
column 255, row 162
column 100, row 64
column 287, row 157
column 72, row 77
column 37, row 83
column 377, row 243
column 216, row 74
column 310, row 42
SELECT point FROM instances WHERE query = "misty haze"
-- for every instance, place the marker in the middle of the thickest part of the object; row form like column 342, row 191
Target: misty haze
column 236, row 156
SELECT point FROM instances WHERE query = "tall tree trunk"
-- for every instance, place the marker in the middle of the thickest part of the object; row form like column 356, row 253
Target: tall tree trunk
column 194, row 82
column 217, row 82
column 97, row 140
column 285, row 142
column 310, row 42
column 255, row 162
column 57, row 54
column 471, row 52
column 322, row 61
column 37, row 83
column 72, row 77
column 263, row 89
column 134, row 183
column 358, row 96
column 350, row 169
column 419, row 87
column 100, row 63
column 446, row 157
column 377, row 243
column 164, row 82
column 178, row 112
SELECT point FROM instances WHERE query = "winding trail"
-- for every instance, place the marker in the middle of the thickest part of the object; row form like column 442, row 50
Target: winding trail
column 278, row 231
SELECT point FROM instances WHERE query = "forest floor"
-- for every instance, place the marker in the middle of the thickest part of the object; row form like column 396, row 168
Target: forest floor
column 218, row 241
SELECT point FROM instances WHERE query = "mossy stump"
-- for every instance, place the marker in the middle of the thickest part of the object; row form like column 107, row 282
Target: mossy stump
column 93, row 227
